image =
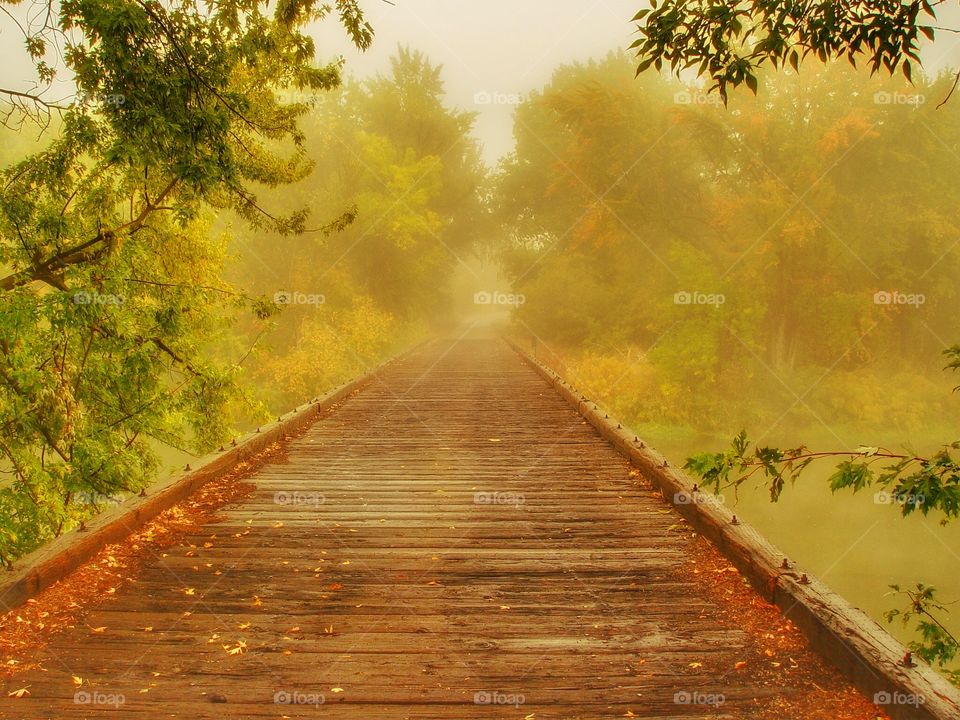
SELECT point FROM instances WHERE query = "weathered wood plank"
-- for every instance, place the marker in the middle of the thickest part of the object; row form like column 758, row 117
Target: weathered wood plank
column 867, row 654
column 364, row 567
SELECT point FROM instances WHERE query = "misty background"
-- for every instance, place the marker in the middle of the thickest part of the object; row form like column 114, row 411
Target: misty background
column 489, row 58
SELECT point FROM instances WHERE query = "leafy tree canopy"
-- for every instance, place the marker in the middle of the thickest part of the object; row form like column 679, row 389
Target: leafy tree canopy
column 729, row 40
column 110, row 277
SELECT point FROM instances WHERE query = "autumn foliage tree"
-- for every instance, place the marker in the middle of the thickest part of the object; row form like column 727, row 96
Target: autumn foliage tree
column 111, row 285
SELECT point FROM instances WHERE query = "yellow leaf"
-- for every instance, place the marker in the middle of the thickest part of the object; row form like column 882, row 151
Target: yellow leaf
column 18, row 693
column 100, row 629
column 336, row 690
column 695, row 664
column 78, row 681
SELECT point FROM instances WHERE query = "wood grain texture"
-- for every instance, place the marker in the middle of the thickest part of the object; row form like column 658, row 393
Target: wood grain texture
column 847, row 637
column 45, row 566
column 454, row 541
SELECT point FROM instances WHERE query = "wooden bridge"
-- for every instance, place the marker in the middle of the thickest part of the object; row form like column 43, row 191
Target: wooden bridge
column 452, row 540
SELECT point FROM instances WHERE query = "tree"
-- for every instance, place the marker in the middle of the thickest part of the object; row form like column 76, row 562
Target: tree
column 796, row 207
column 392, row 149
column 729, row 41
column 112, row 283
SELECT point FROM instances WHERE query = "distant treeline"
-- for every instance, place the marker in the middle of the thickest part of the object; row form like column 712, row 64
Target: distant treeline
column 395, row 199
column 703, row 266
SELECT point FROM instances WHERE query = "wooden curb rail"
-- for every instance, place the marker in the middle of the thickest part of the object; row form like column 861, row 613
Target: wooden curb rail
column 866, row 654
column 52, row 562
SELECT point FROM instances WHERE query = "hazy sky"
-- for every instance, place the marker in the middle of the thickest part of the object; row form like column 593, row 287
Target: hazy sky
column 491, row 51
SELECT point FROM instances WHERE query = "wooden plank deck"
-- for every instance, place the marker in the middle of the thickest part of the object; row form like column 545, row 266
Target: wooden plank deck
column 453, row 542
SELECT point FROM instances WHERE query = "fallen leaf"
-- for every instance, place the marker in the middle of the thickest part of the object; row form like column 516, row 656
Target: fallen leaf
column 22, row 692
column 239, row 649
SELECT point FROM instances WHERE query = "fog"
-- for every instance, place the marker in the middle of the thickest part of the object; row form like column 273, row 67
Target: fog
column 786, row 265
